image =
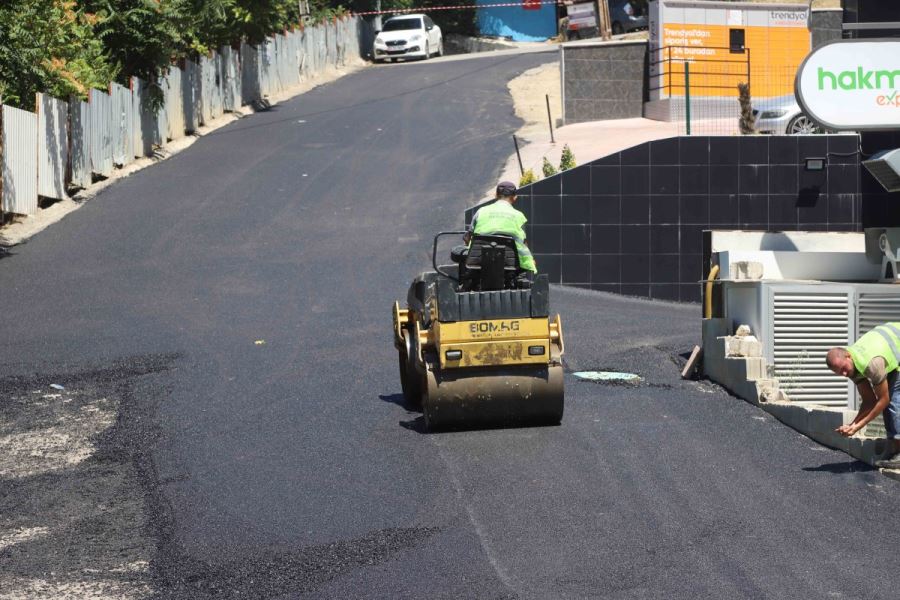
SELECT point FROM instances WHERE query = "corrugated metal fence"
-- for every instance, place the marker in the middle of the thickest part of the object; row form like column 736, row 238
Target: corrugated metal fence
column 53, row 148
column 66, row 144
column 20, row 153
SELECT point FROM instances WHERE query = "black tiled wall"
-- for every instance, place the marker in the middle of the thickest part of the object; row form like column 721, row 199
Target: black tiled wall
column 632, row 222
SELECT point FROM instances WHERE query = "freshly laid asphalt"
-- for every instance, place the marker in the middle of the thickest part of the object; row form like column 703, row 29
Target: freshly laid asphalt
column 278, row 459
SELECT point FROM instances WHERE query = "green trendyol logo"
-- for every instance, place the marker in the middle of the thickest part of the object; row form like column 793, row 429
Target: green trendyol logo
column 860, row 79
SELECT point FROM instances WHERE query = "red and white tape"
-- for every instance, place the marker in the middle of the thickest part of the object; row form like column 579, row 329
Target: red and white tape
column 526, row 4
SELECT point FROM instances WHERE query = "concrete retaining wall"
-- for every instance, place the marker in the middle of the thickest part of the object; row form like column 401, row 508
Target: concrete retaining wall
column 609, row 80
column 826, row 25
column 603, row 80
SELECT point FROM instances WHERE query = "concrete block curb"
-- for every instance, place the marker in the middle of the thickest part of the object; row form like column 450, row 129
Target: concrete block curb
column 819, row 423
column 746, row 377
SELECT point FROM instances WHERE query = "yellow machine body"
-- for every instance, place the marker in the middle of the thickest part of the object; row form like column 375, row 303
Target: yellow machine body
column 484, row 372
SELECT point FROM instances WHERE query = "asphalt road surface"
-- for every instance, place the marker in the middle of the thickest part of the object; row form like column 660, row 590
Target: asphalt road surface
column 258, row 268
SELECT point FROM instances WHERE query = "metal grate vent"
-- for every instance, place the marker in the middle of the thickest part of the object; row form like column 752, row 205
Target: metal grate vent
column 804, row 327
column 875, row 310
column 885, row 167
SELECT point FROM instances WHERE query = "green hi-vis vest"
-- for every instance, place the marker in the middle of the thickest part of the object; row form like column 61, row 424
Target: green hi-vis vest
column 501, row 218
column 883, row 341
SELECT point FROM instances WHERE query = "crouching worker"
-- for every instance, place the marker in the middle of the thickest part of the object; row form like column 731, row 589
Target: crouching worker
column 501, row 217
column 871, row 363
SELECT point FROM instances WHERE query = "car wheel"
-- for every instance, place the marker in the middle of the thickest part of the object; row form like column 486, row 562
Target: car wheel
column 617, row 28
column 802, row 125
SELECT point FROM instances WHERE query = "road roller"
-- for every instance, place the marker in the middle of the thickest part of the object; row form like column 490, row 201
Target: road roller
column 476, row 342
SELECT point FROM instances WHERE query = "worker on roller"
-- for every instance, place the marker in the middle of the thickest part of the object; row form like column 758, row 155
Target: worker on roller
column 502, row 218
column 871, row 363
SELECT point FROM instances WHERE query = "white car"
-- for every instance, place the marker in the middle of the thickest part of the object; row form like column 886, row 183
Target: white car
column 408, row 36
column 783, row 115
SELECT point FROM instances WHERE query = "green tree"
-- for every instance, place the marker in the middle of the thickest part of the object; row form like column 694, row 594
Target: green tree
column 141, row 36
column 49, row 46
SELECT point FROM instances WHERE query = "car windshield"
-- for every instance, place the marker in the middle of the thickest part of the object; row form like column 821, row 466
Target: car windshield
column 402, row 24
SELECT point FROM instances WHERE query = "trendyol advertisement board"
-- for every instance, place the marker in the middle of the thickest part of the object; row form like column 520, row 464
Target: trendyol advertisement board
column 727, row 43
column 852, row 85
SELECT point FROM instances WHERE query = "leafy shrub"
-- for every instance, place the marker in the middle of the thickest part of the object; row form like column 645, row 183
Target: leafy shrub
column 528, row 177
column 567, row 159
column 548, row 168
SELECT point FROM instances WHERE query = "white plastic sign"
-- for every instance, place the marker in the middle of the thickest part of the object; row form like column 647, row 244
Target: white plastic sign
column 852, row 85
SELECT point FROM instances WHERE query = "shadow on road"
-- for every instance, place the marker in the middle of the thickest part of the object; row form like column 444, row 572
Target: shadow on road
column 417, row 424
column 840, row 468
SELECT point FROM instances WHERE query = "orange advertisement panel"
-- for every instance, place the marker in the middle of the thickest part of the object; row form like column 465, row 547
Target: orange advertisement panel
column 770, row 61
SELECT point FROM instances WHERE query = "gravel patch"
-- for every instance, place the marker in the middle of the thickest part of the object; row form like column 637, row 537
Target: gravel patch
column 73, row 517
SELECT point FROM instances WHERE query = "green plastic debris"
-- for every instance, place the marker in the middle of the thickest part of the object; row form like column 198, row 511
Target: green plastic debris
column 606, row 376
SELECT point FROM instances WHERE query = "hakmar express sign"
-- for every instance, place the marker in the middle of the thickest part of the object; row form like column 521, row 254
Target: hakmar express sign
column 852, row 85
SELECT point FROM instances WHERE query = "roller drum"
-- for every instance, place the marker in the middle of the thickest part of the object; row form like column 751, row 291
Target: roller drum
column 493, row 397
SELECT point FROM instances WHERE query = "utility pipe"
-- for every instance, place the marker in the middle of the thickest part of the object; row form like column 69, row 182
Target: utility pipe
column 707, row 308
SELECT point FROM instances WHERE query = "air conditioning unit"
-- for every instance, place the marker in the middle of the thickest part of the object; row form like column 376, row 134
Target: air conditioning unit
column 885, row 167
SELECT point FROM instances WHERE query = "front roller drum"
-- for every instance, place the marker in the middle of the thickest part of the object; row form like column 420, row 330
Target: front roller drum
column 493, row 397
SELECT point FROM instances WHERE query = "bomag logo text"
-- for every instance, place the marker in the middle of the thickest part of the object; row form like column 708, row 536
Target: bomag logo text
column 859, row 79
column 488, row 327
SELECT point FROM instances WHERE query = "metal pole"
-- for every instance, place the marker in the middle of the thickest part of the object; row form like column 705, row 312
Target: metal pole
column 687, row 95
column 748, row 70
column 516, row 142
column 669, row 71
column 549, row 120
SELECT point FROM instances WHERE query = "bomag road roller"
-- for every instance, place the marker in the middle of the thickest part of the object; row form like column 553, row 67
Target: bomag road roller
column 477, row 344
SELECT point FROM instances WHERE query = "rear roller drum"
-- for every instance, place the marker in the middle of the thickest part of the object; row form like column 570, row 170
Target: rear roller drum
column 493, row 397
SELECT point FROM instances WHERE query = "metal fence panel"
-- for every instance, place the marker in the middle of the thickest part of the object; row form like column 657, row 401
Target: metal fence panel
column 101, row 108
column 218, row 94
column 53, row 146
column 321, row 49
column 210, row 74
column 150, row 127
column 250, row 90
column 331, row 41
column 341, row 41
column 122, row 124
column 284, row 61
column 174, row 104
column 266, row 67
column 190, row 96
column 80, row 147
column 20, row 150
column 231, row 87
column 205, row 74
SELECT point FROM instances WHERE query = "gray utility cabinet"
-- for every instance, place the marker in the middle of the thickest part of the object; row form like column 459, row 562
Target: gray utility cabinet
column 797, row 322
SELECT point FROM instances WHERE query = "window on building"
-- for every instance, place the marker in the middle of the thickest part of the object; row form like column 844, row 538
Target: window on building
column 736, row 40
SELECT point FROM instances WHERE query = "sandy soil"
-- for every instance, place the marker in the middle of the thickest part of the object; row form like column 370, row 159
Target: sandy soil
column 529, row 92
